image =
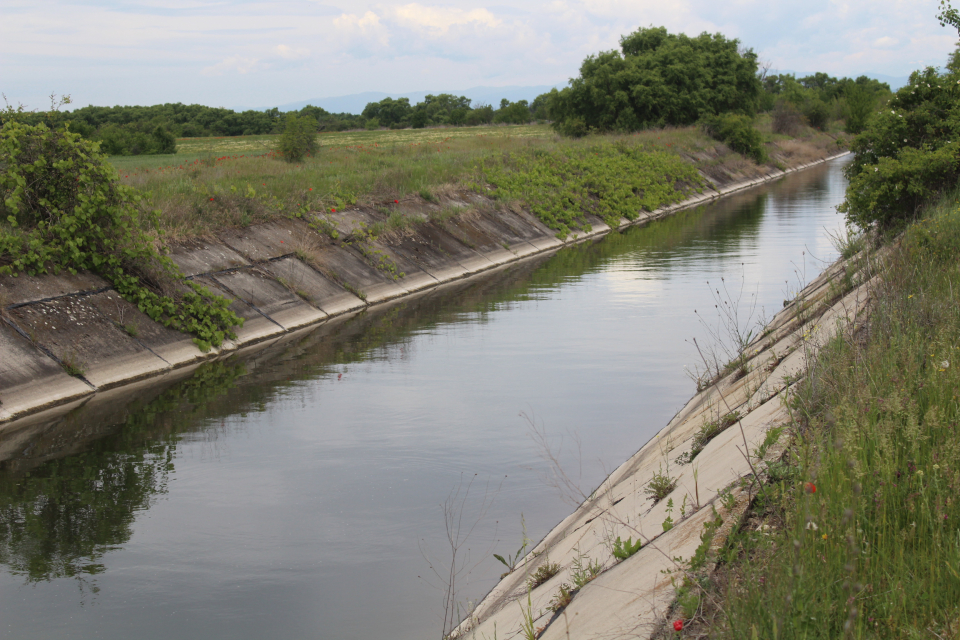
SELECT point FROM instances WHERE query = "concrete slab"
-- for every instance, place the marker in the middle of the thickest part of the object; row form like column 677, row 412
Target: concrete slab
column 439, row 253
column 174, row 347
column 256, row 326
column 318, row 290
column 347, row 268
column 77, row 333
column 266, row 241
column 30, row 379
column 269, row 297
column 196, row 257
column 25, row 288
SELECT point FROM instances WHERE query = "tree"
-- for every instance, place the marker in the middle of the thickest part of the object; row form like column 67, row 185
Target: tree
column 299, row 137
column 948, row 15
column 658, row 79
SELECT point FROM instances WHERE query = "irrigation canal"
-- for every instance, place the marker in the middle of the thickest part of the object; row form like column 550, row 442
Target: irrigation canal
column 296, row 492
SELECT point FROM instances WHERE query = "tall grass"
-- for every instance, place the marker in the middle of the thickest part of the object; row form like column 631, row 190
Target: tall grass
column 202, row 195
column 868, row 497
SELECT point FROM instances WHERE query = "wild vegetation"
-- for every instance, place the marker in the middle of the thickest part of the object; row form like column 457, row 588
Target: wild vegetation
column 64, row 209
column 856, row 532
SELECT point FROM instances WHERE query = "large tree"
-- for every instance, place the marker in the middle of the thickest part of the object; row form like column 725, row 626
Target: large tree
column 658, row 78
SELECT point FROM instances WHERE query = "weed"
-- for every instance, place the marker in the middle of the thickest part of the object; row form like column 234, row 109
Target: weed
column 527, row 626
column 660, row 485
column 562, row 598
column 623, row 550
column 510, row 562
column 583, row 570
column 132, row 329
column 708, row 431
column 543, row 573
column 668, row 521
column 72, row 365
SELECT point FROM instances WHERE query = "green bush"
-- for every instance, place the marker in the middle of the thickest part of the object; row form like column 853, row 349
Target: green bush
column 907, row 154
column 660, row 79
column 817, row 113
column 738, row 133
column 299, row 137
column 63, row 208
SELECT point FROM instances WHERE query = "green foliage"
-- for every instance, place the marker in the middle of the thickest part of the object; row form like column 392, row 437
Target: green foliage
column 543, row 573
column 388, row 111
column 908, row 154
column 817, row 113
column 860, row 106
column 513, row 112
column 738, row 133
column 948, row 15
column 660, row 485
column 623, row 550
column 130, row 140
column 660, row 79
column 609, row 180
column 63, row 209
column 873, row 552
column 583, row 570
column 561, row 599
column 707, row 432
column 299, row 138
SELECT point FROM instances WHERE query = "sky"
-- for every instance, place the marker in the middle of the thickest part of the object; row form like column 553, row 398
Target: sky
column 254, row 53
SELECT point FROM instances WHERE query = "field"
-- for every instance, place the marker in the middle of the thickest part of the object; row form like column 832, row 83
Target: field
column 215, row 183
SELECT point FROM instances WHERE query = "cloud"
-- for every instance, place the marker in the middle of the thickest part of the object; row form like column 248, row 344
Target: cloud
column 289, row 53
column 440, row 19
column 886, row 42
column 235, row 64
column 368, row 27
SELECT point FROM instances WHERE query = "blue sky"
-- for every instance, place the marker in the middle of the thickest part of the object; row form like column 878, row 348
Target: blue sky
column 249, row 52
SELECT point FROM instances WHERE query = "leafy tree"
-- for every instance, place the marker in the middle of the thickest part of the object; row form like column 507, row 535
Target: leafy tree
column 388, row 111
column 299, row 138
column 907, row 154
column 513, row 112
column 660, row 79
column 953, row 62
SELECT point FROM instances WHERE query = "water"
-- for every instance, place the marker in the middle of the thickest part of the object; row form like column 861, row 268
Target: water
column 296, row 492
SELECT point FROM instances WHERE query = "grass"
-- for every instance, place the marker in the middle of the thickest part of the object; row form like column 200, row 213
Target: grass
column 865, row 511
column 216, row 183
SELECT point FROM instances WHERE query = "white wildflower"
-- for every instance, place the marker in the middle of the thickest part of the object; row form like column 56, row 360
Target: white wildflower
column 812, row 526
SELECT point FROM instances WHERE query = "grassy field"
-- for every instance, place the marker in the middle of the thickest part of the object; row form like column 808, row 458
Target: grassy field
column 859, row 535
column 213, row 183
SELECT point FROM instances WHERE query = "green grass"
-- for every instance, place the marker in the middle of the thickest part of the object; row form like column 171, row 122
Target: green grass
column 215, row 183
column 874, row 550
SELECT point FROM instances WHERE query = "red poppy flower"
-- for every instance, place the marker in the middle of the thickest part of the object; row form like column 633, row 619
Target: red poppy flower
column 810, row 487
column 678, row 625
column 211, row 199
column 396, row 201
column 310, row 189
column 333, row 210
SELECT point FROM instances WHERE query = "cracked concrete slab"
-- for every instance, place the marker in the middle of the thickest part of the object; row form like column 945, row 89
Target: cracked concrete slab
column 30, row 379
column 269, row 297
column 26, row 288
column 76, row 333
column 320, row 291
column 256, row 326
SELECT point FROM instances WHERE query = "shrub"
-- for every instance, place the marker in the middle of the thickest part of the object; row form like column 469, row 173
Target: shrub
column 658, row 78
column 907, row 154
column 63, row 208
column 817, row 113
column 299, row 137
column 737, row 132
column 786, row 118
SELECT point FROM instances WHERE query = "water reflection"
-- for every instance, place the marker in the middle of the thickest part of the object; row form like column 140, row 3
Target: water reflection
column 239, row 492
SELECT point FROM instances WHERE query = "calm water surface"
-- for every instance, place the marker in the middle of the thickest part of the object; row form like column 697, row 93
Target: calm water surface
column 296, row 492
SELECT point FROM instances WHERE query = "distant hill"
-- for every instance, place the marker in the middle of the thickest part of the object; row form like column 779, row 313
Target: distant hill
column 355, row 103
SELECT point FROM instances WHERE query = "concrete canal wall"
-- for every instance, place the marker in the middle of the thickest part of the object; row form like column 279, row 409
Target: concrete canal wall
column 634, row 598
column 66, row 337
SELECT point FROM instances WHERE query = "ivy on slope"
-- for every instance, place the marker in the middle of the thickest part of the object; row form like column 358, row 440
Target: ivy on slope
column 609, row 180
column 62, row 208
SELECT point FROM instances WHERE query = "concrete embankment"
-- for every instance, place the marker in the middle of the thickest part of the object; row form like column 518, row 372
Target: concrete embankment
column 633, row 597
column 67, row 337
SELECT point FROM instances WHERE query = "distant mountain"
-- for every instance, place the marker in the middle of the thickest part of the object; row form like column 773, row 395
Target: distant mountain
column 355, row 103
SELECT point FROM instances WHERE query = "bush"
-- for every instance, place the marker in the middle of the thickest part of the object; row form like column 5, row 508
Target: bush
column 786, row 118
column 660, row 79
column 817, row 113
column 860, row 104
column 738, row 133
column 907, row 154
column 299, row 137
column 63, row 208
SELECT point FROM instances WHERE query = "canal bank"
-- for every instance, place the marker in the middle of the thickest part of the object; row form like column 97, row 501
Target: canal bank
column 615, row 566
column 65, row 338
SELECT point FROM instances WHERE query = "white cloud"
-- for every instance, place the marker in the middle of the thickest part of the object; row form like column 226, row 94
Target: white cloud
column 441, row 19
column 235, row 64
column 289, row 53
